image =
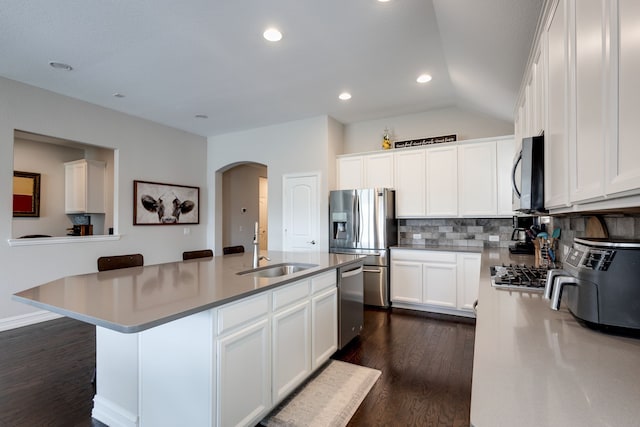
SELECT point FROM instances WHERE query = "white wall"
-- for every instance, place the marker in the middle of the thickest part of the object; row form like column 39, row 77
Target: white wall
column 367, row 136
column 145, row 151
column 295, row 147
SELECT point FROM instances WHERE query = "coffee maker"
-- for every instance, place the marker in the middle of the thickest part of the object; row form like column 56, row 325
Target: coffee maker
column 521, row 235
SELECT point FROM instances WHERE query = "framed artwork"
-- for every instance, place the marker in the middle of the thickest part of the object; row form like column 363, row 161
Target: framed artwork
column 155, row 203
column 26, row 194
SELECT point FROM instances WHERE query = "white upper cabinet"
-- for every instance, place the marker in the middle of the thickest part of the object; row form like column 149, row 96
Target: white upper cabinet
column 378, row 170
column 590, row 58
column 556, row 147
column 624, row 151
column 366, row 171
column 84, row 186
column 505, row 153
column 539, row 108
column 462, row 179
column 586, row 171
column 410, row 183
column 477, row 195
column 350, row 172
column 442, row 181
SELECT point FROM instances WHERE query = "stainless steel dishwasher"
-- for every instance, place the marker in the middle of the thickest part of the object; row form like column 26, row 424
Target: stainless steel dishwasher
column 350, row 303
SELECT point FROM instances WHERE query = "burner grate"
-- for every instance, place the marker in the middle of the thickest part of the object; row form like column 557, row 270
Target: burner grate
column 519, row 277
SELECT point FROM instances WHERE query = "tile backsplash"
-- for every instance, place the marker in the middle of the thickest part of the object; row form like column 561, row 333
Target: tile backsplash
column 621, row 226
column 475, row 232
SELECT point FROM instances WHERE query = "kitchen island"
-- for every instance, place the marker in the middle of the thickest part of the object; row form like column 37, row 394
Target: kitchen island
column 194, row 342
column 535, row 367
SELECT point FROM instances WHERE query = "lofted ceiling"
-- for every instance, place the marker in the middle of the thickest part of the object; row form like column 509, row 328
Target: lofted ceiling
column 173, row 60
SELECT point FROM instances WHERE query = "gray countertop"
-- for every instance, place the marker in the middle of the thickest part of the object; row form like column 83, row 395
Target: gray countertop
column 537, row 367
column 134, row 299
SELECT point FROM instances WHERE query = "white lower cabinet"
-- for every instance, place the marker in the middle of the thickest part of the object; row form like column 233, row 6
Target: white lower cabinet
column 291, row 340
column 324, row 318
column 468, row 280
column 227, row 366
column 406, row 281
column 439, row 284
column 437, row 281
column 244, row 384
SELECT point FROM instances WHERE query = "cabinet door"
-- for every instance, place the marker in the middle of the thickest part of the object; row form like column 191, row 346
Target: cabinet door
column 587, row 148
column 75, row 187
column 556, row 144
column 410, row 184
column 468, row 280
column 439, row 284
column 244, row 375
column 324, row 326
column 477, row 179
column 350, row 172
column 378, row 170
column 406, row 281
column 505, row 153
column 291, row 349
column 84, row 186
column 539, row 93
column 624, row 168
column 442, row 181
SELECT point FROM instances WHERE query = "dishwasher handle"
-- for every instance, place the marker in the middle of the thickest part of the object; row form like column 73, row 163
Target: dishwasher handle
column 349, row 273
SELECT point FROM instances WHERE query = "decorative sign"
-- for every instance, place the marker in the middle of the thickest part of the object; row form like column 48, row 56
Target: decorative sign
column 425, row 141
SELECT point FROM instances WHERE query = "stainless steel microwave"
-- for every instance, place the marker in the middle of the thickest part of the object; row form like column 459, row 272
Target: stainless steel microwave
column 527, row 176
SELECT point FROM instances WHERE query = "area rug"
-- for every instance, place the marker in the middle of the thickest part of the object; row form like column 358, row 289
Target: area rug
column 328, row 399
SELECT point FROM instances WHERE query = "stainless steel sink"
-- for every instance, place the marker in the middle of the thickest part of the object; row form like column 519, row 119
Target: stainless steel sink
column 277, row 270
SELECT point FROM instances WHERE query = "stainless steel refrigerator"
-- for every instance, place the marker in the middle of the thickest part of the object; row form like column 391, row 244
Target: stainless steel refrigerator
column 363, row 221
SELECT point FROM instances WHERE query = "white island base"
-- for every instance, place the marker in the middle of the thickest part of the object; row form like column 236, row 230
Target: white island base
column 224, row 366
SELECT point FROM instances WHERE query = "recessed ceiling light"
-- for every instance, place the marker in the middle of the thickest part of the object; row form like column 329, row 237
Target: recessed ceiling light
column 423, row 78
column 344, row 96
column 272, row 34
column 118, row 95
column 383, row 1
column 201, row 116
column 60, row 66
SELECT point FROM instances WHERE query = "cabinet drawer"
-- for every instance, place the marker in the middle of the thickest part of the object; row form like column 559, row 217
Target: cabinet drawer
column 423, row 255
column 323, row 281
column 241, row 312
column 289, row 294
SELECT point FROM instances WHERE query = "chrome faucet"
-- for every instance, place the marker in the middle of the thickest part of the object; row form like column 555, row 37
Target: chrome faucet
column 256, row 249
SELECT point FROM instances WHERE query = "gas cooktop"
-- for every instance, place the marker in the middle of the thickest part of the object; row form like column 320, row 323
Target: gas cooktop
column 519, row 277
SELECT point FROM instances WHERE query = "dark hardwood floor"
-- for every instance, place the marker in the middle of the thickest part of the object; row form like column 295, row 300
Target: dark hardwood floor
column 426, row 362
column 45, row 374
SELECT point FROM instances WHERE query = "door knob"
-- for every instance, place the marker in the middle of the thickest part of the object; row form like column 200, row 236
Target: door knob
column 313, row 242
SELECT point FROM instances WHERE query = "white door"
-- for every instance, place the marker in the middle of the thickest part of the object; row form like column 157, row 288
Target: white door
column 301, row 212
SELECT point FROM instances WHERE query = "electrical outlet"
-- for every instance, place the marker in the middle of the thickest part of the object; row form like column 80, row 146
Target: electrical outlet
column 186, row 231
column 494, row 238
column 417, row 236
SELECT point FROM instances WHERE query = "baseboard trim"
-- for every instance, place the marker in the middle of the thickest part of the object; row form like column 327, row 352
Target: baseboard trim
column 27, row 319
column 111, row 414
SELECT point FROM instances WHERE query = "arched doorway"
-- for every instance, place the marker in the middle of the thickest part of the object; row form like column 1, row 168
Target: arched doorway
column 243, row 202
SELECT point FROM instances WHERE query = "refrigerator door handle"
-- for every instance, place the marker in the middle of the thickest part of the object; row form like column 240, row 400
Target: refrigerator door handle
column 357, row 217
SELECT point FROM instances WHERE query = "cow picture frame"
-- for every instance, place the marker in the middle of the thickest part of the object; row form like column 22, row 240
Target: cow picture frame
column 155, row 203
